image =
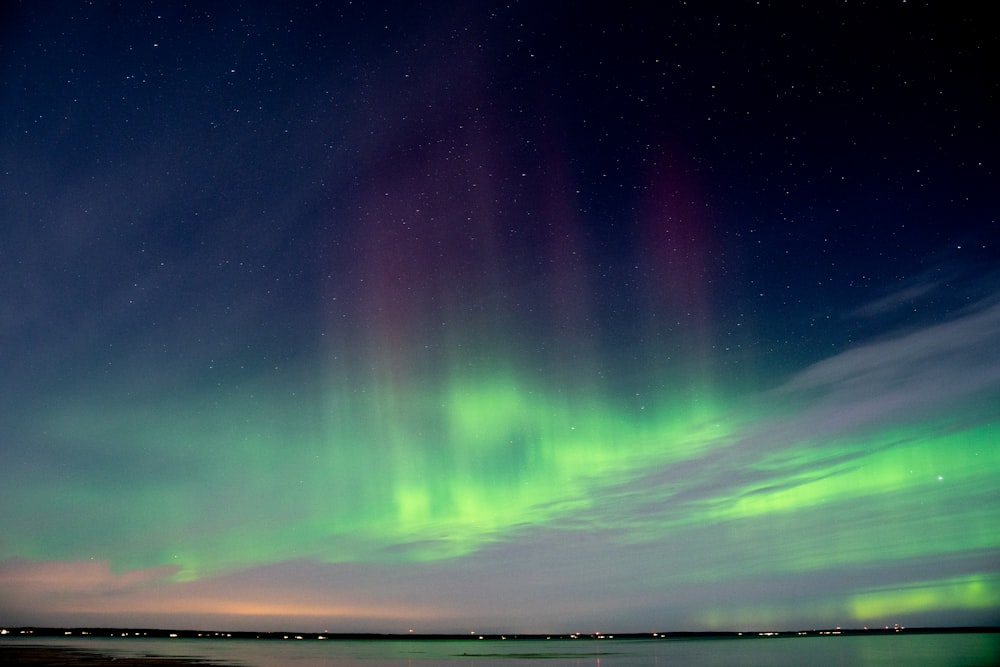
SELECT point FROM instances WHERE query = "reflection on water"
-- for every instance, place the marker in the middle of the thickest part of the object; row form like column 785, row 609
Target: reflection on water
column 957, row 650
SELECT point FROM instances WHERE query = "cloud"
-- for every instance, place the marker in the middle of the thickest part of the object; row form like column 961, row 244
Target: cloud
column 297, row 593
column 76, row 577
column 896, row 300
column 904, row 377
column 896, row 426
column 34, row 589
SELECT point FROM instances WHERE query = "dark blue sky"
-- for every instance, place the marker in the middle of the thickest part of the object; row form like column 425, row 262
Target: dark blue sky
column 488, row 302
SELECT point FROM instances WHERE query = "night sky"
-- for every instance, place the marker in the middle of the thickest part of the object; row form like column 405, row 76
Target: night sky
column 499, row 317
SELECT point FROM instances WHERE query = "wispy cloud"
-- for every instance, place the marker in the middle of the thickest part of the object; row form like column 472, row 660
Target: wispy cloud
column 75, row 577
column 906, row 376
column 895, row 300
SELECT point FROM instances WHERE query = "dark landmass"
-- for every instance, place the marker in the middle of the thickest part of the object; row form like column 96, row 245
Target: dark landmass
column 26, row 632
column 11, row 655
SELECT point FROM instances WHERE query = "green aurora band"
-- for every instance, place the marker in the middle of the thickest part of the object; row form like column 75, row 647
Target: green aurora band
column 449, row 472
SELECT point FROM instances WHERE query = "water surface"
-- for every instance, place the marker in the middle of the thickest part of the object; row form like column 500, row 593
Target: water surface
column 955, row 650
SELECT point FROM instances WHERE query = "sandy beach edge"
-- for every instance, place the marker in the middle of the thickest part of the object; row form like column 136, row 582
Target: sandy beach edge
column 56, row 656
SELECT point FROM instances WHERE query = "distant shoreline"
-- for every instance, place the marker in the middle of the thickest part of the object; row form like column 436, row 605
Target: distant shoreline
column 27, row 632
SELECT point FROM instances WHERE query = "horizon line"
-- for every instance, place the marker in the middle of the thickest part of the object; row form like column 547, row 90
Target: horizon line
column 294, row 635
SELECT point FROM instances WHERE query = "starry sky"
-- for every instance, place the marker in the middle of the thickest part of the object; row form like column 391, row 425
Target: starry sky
column 370, row 316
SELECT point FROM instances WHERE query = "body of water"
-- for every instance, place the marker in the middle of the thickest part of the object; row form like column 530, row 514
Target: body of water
column 954, row 650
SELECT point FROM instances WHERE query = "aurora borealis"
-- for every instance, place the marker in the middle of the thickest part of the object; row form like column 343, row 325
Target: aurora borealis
column 371, row 317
